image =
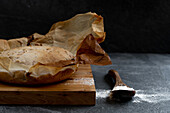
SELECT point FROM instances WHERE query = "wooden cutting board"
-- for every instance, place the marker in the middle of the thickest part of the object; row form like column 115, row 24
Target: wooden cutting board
column 78, row 90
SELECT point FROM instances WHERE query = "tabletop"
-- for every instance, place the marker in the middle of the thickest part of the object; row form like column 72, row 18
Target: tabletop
column 148, row 74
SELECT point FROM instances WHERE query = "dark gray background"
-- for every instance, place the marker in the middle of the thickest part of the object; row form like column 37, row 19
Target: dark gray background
column 131, row 25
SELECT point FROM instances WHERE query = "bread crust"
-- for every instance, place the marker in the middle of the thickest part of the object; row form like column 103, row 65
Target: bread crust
column 24, row 78
column 36, row 65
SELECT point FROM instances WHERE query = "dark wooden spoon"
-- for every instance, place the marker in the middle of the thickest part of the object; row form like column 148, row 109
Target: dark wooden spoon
column 120, row 91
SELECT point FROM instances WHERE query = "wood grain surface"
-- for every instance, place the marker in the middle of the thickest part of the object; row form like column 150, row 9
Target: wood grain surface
column 78, row 90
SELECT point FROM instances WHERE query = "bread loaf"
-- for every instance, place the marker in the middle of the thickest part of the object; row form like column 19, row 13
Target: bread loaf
column 36, row 65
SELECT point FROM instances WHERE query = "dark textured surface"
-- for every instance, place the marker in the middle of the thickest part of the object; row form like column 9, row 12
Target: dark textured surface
column 131, row 25
column 144, row 72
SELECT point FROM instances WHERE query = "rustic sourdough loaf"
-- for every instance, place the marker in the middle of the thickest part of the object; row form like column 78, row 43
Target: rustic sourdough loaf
column 36, row 65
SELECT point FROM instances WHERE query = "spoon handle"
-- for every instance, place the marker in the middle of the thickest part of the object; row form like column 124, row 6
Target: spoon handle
column 116, row 77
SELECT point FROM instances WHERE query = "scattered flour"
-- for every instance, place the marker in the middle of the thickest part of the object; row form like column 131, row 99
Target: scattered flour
column 153, row 97
column 102, row 93
column 82, row 81
column 140, row 96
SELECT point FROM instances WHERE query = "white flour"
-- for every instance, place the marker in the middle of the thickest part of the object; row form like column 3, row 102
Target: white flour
column 82, row 81
column 140, row 96
column 123, row 88
column 154, row 97
column 102, row 93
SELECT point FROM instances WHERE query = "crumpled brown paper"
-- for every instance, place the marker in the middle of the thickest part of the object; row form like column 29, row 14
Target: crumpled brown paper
column 79, row 35
column 69, row 35
column 82, row 33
